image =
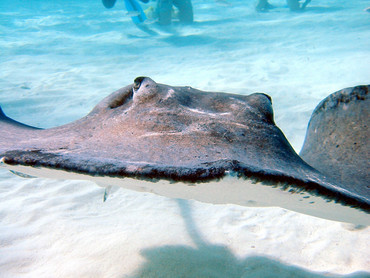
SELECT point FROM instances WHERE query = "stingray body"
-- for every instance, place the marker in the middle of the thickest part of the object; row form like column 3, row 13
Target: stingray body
column 185, row 143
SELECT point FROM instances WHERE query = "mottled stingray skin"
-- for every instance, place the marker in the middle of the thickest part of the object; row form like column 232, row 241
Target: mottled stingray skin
column 337, row 139
column 153, row 131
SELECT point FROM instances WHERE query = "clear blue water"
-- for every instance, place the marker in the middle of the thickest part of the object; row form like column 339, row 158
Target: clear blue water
column 59, row 58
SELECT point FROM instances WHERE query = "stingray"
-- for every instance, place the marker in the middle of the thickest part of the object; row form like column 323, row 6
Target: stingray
column 337, row 139
column 185, row 143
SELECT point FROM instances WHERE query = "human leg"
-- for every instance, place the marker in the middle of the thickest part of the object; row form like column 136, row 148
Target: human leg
column 293, row 5
column 164, row 10
column 185, row 10
column 263, row 5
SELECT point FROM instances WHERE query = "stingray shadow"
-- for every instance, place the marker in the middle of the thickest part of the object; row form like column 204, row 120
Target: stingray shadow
column 213, row 261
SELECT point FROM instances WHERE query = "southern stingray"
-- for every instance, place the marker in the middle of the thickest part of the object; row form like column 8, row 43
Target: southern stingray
column 213, row 147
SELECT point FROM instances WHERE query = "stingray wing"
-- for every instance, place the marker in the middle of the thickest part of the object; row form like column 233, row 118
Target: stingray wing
column 150, row 131
column 337, row 139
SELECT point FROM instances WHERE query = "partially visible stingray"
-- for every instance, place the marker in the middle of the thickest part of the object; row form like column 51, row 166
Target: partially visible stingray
column 183, row 143
column 337, row 139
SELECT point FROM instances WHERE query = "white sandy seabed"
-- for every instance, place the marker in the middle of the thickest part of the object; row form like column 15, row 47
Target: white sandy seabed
column 58, row 59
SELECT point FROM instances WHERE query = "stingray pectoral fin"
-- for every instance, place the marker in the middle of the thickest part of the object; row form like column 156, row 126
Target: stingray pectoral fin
column 228, row 190
column 12, row 132
column 6, row 122
column 337, row 139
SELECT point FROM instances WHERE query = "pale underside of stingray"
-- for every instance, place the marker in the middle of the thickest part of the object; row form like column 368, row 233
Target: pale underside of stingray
column 184, row 143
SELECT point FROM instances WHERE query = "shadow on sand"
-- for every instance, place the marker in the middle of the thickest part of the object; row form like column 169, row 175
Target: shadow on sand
column 207, row 260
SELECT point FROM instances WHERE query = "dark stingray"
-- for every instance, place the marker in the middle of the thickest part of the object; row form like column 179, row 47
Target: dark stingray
column 153, row 132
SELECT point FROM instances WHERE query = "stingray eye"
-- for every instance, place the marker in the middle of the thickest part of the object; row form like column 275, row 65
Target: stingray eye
column 138, row 81
column 144, row 89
